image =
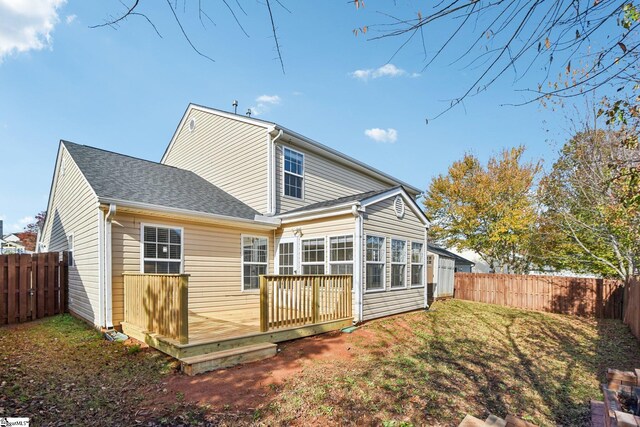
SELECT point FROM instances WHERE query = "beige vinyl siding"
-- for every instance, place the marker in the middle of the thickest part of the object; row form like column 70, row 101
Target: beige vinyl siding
column 230, row 154
column 324, row 179
column 212, row 258
column 380, row 220
column 74, row 210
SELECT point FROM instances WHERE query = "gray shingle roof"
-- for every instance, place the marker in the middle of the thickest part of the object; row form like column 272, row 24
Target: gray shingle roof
column 448, row 254
column 339, row 201
column 122, row 177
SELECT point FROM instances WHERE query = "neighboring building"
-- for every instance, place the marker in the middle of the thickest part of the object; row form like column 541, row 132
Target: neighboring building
column 12, row 244
column 442, row 264
column 233, row 198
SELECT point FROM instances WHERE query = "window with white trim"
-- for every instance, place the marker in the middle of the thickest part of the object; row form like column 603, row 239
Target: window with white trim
column 70, row 260
column 341, row 255
column 375, row 260
column 398, row 263
column 417, row 264
column 254, row 261
column 285, row 258
column 162, row 250
column 293, row 173
column 313, row 256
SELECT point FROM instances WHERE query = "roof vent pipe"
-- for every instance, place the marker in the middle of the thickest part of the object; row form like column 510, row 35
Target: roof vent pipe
column 235, row 106
column 248, row 112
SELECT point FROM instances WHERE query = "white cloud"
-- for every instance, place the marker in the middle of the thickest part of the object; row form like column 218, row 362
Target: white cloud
column 70, row 18
column 268, row 99
column 387, row 70
column 18, row 225
column 264, row 104
column 27, row 24
column 381, row 135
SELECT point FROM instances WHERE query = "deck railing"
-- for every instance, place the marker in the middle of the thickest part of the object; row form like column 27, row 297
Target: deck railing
column 293, row 301
column 158, row 304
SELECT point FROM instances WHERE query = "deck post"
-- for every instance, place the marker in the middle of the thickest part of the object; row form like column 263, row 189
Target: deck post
column 183, row 289
column 315, row 300
column 264, row 305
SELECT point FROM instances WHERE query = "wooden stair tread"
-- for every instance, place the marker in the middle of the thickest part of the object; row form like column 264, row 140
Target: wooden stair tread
column 495, row 421
column 228, row 353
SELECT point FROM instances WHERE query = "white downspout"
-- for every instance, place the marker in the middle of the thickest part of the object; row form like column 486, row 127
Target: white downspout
column 108, row 318
column 425, row 272
column 272, row 173
column 357, row 270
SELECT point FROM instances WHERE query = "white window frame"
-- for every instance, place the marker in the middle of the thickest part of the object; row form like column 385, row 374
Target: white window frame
column 293, row 240
column 302, row 263
column 142, row 258
column 71, row 262
column 242, row 236
column 384, row 264
column 392, row 262
column 328, row 256
column 284, row 172
column 422, row 263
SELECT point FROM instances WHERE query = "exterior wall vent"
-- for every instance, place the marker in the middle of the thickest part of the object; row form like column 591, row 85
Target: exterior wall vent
column 398, row 206
column 192, row 125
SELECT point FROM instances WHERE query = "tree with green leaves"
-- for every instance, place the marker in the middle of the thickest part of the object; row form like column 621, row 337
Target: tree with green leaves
column 490, row 209
column 587, row 224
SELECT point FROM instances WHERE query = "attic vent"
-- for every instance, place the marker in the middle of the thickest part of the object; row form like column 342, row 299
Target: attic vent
column 398, row 206
column 192, row 125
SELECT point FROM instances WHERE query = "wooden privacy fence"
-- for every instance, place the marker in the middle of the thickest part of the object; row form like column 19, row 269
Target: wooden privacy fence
column 632, row 307
column 32, row 286
column 292, row 301
column 600, row 298
column 158, row 304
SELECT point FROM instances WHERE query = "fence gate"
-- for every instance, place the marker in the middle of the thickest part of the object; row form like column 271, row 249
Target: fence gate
column 446, row 270
column 32, row 286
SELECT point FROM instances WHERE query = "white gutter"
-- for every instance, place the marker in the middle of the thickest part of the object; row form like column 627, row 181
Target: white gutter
column 258, row 222
column 108, row 288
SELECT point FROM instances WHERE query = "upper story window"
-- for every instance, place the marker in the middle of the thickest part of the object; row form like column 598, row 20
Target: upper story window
column 162, row 248
column 293, row 173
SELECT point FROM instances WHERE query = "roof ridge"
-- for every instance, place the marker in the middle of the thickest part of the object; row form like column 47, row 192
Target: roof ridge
column 64, row 141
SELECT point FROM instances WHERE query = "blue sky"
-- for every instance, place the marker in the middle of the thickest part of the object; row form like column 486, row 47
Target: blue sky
column 126, row 89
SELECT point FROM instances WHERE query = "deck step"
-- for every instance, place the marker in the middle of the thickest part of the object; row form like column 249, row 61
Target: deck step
column 495, row 421
column 226, row 358
column 470, row 421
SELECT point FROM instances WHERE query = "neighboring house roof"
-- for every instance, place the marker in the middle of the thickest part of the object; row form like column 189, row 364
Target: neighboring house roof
column 11, row 237
column 448, row 254
column 323, row 149
column 125, row 178
column 339, row 201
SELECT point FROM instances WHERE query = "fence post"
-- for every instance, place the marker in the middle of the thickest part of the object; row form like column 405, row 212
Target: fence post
column 315, row 300
column 264, row 304
column 183, row 331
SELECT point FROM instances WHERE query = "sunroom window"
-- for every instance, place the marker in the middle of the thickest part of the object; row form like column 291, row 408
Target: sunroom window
column 375, row 260
column 254, row 261
column 313, row 256
column 398, row 263
column 341, row 255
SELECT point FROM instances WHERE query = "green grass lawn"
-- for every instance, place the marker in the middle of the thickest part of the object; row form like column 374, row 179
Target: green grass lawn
column 422, row 368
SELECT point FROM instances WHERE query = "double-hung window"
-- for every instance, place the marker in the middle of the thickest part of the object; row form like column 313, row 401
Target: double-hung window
column 417, row 264
column 286, row 258
column 313, row 256
column 254, row 261
column 398, row 263
column 293, row 173
column 162, row 248
column 375, row 259
column 341, row 255
column 70, row 260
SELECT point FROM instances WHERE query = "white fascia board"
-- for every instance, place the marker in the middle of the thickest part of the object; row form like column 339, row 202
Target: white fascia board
column 314, row 146
column 413, row 205
column 262, row 223
column 343, row 209
column 216, row 112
